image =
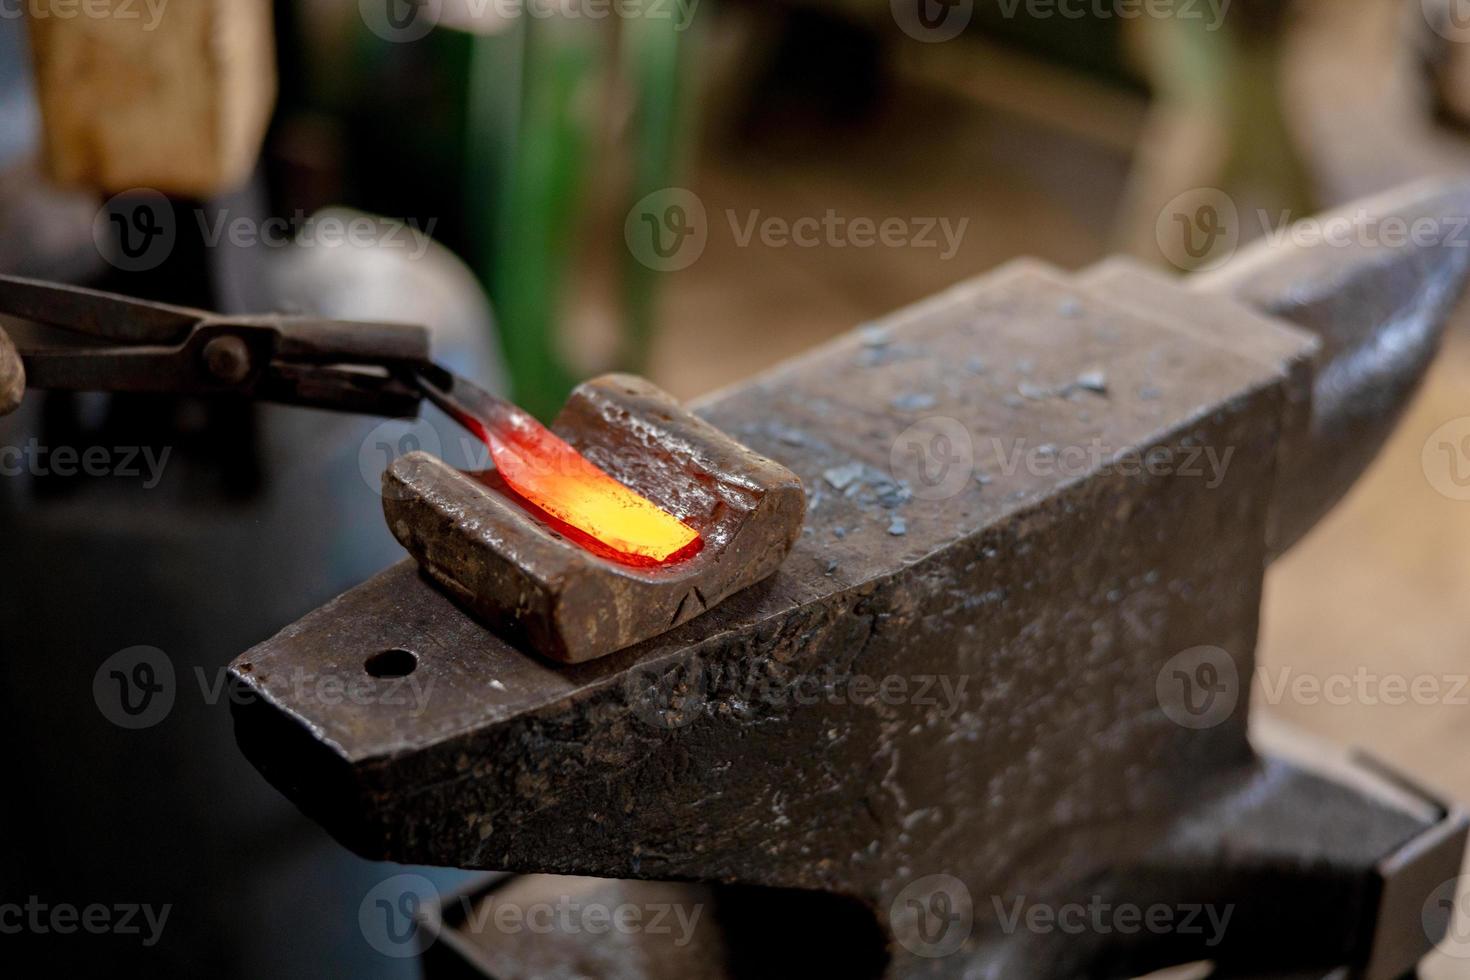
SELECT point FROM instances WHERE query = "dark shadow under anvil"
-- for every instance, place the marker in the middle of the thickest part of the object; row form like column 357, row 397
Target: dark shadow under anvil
column 1028, row 684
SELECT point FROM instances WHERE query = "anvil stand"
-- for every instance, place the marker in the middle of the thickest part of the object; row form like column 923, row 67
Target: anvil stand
column 1103, row 607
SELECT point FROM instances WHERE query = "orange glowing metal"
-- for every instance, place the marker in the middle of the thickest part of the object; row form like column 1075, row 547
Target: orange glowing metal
column 605, row 515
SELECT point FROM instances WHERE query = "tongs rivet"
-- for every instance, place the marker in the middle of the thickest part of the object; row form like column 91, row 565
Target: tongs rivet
column 228, row 359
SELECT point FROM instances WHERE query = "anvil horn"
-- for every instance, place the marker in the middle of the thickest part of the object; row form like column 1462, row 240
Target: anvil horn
column 1376, row 281
column 1011, row 651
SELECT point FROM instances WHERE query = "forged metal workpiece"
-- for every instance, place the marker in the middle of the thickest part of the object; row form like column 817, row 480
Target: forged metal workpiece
column 1031, row 681
column 548, row 593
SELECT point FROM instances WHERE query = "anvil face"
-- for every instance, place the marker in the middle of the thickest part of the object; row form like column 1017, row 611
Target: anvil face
column 1033, row 502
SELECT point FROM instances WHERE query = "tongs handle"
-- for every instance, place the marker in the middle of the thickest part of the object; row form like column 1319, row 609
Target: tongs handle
column 101, row 316
column 159, row 348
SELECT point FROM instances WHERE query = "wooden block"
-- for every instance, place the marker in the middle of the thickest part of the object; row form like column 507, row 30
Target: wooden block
column 173, row 95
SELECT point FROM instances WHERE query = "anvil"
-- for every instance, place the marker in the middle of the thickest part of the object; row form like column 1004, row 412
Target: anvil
column 1005, row 667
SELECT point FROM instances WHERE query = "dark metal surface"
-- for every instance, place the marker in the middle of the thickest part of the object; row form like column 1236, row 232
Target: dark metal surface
column 557, row 599
column 1225, row 324
column 1379, row 309
column 160, row 348
column 1247, row 850
column 1041, row 606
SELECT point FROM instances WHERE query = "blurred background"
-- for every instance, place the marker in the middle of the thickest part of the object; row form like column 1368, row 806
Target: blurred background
column 557, row 194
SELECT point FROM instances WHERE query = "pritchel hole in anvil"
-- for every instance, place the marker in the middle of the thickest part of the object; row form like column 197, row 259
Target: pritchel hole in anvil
column 391, row 663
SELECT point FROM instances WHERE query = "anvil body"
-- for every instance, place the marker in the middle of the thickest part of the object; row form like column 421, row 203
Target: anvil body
column 1015, row 661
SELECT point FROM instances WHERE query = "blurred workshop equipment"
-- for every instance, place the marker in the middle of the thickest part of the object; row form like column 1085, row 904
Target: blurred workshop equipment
column 215, row 520
column 174, row 97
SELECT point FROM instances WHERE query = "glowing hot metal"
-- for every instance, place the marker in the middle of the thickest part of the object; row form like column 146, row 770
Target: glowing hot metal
column 559, row 484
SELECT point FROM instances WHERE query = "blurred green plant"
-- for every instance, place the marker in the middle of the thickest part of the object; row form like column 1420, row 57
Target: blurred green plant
column 531, row 137
column 533, row 143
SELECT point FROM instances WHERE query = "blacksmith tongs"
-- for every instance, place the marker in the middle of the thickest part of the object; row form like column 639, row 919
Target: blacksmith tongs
column 130, row 345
